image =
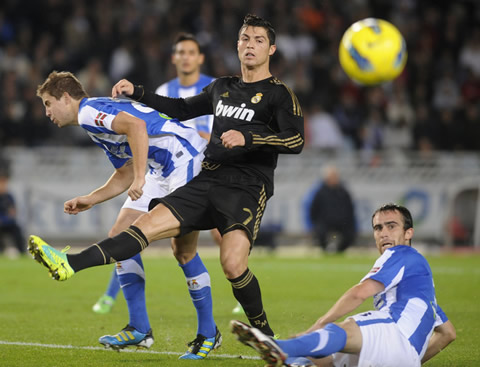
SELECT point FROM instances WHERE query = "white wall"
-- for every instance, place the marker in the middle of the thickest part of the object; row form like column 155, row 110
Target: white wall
column 43, row 179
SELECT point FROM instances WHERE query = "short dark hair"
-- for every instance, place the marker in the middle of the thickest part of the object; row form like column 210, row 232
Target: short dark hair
column 407, row 216
column 184, row 36
column 59, row 82
column 256, row 21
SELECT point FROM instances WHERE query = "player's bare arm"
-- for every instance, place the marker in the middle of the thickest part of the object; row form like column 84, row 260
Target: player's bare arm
column 442, row 335
column 136, row 132
column 77, row 205
column 120, row 180
column 347, row 303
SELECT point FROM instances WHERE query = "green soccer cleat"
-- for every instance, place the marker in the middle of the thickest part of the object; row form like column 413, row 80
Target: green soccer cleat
column 55, row 261
column 238, row 309
column 104, row 305
column 201, row 346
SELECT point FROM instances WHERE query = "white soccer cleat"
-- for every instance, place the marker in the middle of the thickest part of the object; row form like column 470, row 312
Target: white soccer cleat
column 263, row 344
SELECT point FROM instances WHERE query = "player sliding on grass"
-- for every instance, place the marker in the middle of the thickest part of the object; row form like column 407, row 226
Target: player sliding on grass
column 407, row 328
column 256, row 118
column 134, row 135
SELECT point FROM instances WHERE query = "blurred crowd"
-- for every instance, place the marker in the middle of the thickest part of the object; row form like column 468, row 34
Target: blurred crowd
column 433, row 105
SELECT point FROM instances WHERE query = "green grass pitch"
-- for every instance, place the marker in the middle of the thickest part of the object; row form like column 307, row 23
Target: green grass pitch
column 49, row 323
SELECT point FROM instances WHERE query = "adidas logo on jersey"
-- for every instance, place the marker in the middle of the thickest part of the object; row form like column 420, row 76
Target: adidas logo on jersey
column 236, row 112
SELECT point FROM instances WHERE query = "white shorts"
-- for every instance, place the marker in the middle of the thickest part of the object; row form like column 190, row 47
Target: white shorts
column 383, row 345
column 158, row 186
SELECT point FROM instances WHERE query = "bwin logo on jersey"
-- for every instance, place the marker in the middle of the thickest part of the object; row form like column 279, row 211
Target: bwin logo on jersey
column 236, row 112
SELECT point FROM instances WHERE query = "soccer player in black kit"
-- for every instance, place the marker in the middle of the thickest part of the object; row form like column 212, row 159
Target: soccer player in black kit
column 256, row 117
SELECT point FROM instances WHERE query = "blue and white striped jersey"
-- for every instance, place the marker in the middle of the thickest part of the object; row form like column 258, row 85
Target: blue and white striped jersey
column 171, row 143
column 409, row 294
column 174, row 89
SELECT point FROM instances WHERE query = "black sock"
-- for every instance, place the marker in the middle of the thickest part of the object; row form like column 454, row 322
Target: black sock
column 121, row 247
column 247, row 291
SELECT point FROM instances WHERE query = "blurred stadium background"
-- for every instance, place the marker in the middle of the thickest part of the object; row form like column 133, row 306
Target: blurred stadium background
column 415, row 141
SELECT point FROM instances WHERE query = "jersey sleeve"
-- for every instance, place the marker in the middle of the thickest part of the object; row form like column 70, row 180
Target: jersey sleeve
column 290, row 137
column 441, row 317
column 162, row 90
column 204, row 123
column 388, row 269
column 179, row 108
column 98, row 119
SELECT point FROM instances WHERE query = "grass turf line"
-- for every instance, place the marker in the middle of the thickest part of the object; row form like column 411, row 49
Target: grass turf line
column 36, row 311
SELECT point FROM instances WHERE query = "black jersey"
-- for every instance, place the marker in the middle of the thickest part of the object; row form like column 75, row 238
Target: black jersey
column 266, row 112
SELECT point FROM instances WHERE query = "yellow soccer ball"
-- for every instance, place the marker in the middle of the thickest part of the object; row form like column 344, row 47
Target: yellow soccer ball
column 372, row 51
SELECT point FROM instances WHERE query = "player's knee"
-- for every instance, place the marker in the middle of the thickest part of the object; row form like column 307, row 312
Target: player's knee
column 115, row 230
column 354, row 336
column 232, row 268
column 183, row 249
column 112, row 232
column 181, row 256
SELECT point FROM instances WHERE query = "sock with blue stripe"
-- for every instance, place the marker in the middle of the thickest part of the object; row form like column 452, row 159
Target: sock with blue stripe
column 131, row 276
column 320, row 343
column 198, row 282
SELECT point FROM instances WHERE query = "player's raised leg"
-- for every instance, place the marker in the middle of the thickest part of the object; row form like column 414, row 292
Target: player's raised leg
column 154, row 225
column 55, row 261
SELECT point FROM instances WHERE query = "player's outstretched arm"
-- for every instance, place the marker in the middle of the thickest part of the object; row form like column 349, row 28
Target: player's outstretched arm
column 179, row 108
column 348, row 302
column 118, row 182
column 442, row 335
column 77, row 205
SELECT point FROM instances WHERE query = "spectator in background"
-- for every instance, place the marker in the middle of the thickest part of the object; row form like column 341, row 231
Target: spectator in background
column 9, row 226
column 469, row 57
column 373, row 130
column 450, row 131
column 470, row 87
column 424, row 131
column 323, row 129
column 398, row 133
column 349, row 115
column 133, row 42
column 472, row 127
column 446, row 91
column 332, row 212
column 94, row 79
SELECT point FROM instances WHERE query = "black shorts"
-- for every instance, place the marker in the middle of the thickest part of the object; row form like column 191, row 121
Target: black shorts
column 225, row 202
